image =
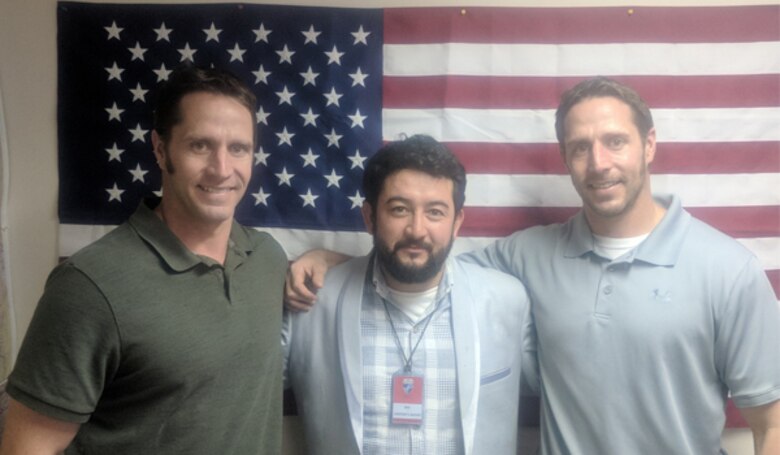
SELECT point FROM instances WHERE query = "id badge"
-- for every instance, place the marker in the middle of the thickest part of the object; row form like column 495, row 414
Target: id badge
column 407, row 404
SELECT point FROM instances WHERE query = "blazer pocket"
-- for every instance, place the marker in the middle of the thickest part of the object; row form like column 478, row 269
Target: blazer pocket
column 494, row 376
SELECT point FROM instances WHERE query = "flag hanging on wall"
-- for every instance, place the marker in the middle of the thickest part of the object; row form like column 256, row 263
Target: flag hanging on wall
column 333, row 83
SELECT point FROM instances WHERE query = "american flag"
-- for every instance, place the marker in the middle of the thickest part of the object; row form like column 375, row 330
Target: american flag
column 333, row 83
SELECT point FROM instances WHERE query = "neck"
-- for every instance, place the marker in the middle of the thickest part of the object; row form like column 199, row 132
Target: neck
column 204, row 240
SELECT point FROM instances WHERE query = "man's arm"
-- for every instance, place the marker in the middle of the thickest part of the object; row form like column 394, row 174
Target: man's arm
column 306, row 275
column 29, row 433
column 764, row 422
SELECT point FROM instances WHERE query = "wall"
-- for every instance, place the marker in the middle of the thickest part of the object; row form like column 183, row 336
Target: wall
column 28, row 85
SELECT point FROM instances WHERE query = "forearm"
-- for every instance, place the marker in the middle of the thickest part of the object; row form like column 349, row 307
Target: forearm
column 30, row 433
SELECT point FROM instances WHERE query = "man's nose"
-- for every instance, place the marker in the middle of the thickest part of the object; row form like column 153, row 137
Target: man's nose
column 219, row 162
column 600, row 157
column 416, row 226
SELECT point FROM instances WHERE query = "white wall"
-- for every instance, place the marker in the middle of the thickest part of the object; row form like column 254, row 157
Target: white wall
column 28, row 81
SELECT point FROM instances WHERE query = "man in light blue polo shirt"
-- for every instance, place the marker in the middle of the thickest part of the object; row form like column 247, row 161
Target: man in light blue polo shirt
column 646, row 317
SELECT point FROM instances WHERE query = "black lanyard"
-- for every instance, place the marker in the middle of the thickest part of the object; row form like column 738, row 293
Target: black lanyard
column 408, row 361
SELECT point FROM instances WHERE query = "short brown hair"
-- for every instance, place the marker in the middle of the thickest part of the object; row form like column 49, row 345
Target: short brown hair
column 599, row 87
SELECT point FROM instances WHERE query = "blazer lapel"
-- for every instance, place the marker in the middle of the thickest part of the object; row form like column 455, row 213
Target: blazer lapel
column 466, row 338
column 348, row 330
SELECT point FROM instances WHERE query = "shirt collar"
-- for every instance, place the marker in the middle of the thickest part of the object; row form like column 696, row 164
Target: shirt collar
column 177, row 256
column 661, row 247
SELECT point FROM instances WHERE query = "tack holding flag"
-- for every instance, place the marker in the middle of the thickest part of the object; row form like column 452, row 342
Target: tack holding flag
column 333, row 83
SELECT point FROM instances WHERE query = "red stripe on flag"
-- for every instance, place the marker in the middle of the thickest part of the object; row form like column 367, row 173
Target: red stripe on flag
column 583, row 25
column 739, row 222
column 477, row 92
column 671, row 158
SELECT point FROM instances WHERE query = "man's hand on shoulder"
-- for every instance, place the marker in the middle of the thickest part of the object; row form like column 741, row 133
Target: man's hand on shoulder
column 306, row 275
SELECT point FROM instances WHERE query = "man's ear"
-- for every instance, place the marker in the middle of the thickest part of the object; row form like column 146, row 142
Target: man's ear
column 158, row 147
column 459, row 217
column 368, row 217
column 650, row 146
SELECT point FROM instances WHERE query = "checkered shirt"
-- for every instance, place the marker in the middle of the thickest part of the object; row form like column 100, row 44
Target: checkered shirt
column 440, row 433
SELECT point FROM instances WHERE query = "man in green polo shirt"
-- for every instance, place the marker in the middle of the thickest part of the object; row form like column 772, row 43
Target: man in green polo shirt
column 163, row 336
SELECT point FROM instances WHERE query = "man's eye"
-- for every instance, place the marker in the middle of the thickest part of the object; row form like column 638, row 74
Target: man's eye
column 579, row 149
column 239, row 149
column 616, row 142
column 199, row 146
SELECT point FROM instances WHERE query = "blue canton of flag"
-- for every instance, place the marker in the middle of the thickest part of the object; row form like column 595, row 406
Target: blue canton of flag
column 316, row 73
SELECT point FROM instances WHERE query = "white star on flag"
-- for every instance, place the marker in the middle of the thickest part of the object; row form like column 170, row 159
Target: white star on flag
column 285, row 137
column 310, row 159
column 187, row 53
column 334, row 56
column 113, row 31
column 261, row 34
column 357, row 160
column 261, row 157
column 162, row 73
column 114, row 153
column 357, row 119
column 358, row 78
column 114, row 113
column 137, row 51
column 333, row 138
column 163, row 33
column 332, row 97
column 114, row 193
column 333, row 179
column 285, row 96
column 261, row 197
column 236, row 54
column 285, row 55
column 212, row 33
column 309, row 118
column 261, row 75
column 284, row 177
column 360, row 36
column 138, row 173
column 308, row 198
column 139, row 93
column 357, row 200
column 311, row 35
column 309, row 76
column 138, row 134
column 262, row 116
column 114, row 72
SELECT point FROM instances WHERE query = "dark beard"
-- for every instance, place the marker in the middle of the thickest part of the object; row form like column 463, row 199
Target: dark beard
column 410, row 274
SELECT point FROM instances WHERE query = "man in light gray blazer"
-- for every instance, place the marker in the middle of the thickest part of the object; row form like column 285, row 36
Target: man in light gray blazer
column 410, row 351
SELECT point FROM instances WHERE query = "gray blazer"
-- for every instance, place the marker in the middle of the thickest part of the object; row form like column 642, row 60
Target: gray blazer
column 493, row 336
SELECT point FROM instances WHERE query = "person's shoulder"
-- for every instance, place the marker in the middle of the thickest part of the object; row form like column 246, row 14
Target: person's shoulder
column 339, row 273
column 264, row 242
column 704, row 238
column 118, row 243
column 489, row 279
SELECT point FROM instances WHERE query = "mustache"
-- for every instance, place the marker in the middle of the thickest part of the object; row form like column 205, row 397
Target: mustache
column 405, row 243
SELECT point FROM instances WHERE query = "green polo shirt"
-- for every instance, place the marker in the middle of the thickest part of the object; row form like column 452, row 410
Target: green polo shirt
column 154, row 349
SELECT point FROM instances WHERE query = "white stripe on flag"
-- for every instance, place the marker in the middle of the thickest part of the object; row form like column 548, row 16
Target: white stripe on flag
column 562, row 60
column 538, row 125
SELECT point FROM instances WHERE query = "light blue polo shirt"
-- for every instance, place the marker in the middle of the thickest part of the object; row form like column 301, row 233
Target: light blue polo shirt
column 637, row 354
